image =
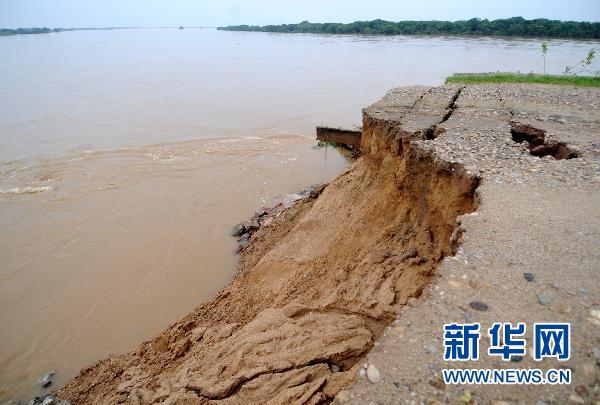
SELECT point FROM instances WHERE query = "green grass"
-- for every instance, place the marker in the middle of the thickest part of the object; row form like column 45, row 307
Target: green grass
column 474, row 78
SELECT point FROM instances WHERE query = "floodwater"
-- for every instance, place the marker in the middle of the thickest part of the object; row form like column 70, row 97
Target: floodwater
column 127, row 155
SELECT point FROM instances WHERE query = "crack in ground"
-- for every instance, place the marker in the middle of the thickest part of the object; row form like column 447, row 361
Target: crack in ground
column 538, row 143
column 419, row 99
column 434, row 131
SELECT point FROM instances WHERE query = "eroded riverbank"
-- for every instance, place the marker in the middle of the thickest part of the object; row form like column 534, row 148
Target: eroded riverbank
column 319, row 283
column 316, row 286
column 103, row 246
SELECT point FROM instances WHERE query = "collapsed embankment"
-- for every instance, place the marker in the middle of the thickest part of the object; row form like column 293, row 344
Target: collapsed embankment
column 316, row 285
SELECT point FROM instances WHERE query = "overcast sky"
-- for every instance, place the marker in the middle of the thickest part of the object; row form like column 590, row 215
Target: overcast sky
column 103, row 13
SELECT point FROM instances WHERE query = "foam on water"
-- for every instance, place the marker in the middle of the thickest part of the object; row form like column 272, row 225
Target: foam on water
column 26, row 190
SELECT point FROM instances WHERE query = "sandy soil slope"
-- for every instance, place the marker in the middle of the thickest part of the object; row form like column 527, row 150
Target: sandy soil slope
column 321, row 282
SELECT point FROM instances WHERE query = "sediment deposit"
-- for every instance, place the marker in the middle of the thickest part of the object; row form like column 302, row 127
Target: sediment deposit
column 320, row 281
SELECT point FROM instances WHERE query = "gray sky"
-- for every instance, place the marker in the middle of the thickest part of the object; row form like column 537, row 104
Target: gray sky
column 102, row 13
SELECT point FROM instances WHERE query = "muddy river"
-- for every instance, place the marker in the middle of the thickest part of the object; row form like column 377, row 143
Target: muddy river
column 126, row 156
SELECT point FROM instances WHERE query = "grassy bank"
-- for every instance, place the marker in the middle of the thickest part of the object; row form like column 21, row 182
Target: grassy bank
column 473, row 78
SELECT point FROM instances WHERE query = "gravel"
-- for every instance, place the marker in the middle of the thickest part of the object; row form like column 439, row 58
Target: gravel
column 537, row 216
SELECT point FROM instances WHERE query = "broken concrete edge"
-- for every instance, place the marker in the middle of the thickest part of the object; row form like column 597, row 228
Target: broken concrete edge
column 404, row 382
column 345, row 137
column 352, row 138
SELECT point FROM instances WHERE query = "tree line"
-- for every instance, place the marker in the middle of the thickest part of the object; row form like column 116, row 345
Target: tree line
column 46, row 30
column 34, row 30
column 510, row 27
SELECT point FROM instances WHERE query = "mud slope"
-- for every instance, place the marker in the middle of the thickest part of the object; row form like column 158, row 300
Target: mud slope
column 317, row 286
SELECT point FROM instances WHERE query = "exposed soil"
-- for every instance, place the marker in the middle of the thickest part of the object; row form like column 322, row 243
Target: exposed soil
column 528, row 254
column 315, row 289
column 321, row 281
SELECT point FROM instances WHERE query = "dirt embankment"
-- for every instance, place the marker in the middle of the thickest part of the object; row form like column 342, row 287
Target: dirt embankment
column 317, row 285
column 528, row 254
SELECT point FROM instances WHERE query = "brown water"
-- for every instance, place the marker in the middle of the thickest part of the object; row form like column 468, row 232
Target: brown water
column 117, row 245
column 126, row 156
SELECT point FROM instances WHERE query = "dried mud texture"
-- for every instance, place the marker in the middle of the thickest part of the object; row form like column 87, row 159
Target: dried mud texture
column 317, row 285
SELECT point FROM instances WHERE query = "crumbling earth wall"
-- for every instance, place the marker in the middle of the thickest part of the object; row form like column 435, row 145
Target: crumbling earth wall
column 318, row 284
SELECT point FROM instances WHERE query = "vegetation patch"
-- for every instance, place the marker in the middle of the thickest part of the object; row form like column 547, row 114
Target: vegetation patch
column 474, row 78
column 45, row 30
column 507, row 27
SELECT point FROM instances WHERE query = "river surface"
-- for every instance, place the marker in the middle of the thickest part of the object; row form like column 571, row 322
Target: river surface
column 127, row 155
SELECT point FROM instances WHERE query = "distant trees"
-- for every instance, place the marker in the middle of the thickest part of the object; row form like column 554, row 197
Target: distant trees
column 515, row 26
column 34, row 30
column 45, row 30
